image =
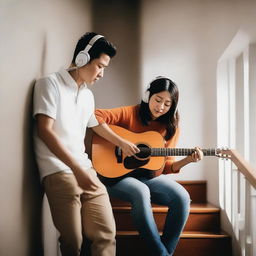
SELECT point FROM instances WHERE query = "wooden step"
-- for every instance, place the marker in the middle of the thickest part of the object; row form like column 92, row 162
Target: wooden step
column 191, row 243
column 202, row 217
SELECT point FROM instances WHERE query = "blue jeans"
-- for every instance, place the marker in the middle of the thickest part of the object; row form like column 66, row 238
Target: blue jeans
column 162, row 190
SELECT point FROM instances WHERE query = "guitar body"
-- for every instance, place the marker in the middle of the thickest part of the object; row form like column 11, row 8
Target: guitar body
column 106, row 162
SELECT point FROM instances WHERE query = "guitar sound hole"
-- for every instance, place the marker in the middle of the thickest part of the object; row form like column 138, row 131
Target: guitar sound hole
column 144, row 151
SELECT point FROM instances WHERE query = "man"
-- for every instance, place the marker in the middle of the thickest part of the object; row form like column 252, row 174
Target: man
column 63, row 108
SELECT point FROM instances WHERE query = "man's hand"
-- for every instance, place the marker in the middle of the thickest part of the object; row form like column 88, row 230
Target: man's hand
column 84, row 179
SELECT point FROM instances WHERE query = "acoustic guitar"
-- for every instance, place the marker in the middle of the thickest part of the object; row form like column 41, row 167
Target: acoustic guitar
column 109, row 162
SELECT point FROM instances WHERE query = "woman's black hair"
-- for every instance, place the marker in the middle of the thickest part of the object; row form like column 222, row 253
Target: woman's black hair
column 99, row 47
column 171, row 118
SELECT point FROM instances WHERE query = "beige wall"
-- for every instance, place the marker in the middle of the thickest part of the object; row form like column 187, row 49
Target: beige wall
column 36, row 38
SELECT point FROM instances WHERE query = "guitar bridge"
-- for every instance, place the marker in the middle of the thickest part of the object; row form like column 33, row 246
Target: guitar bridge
column 119, row 155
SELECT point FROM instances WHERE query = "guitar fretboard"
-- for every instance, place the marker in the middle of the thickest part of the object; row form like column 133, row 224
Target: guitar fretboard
column 177, row 151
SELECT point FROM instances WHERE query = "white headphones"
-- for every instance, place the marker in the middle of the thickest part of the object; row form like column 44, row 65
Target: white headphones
column 145, row 96
column 83, row 57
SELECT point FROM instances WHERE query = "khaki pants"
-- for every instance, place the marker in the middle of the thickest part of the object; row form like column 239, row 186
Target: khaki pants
column 76, row 212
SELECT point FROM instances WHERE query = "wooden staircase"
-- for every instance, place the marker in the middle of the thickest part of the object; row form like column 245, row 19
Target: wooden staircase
column 202, row 235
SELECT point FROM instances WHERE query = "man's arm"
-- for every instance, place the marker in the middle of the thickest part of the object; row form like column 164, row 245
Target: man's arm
column 127, row 147
column 52, row 141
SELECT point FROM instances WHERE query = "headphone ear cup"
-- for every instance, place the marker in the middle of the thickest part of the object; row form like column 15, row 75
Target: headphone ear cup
column 82, row 59
column 145, row 96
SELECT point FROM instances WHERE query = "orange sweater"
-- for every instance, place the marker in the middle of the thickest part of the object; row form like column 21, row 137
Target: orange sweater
column 128, row 117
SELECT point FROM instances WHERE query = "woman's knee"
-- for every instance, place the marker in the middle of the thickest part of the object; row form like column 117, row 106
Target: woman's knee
column 131, row 190
column 168, row 192
column 182, row 199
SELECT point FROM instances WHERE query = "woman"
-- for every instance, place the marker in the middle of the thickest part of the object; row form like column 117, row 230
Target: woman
column 156, row 112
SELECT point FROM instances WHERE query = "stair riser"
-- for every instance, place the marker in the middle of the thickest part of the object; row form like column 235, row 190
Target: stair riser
column 197, row 192
column 186, row 247
column 196, row 222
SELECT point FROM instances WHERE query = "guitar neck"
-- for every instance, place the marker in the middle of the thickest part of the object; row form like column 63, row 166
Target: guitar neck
column 177, row 151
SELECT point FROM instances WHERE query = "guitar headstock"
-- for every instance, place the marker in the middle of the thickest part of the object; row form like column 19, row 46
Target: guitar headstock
column 224, row 153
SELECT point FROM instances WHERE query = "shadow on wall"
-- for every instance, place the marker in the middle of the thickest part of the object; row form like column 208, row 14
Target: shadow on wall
column 32, row 193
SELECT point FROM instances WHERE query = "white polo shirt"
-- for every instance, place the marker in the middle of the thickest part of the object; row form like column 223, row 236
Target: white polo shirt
column 58, row 97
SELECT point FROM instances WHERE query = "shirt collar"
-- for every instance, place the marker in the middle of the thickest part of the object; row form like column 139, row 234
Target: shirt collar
column 68, row 79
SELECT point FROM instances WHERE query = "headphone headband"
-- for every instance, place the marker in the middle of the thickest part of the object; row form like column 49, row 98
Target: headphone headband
column 83, row 56
column 91, row 42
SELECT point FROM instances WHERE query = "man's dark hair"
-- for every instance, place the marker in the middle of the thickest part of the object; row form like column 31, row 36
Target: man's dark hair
column 99, row 47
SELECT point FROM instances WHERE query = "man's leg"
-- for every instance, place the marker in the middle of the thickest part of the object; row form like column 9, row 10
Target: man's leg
column 63, row 194
column 98, row 220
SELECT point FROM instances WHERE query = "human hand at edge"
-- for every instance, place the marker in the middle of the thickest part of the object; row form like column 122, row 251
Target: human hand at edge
column 128, row 148
column 197, row 155
column 84, row 179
